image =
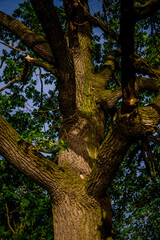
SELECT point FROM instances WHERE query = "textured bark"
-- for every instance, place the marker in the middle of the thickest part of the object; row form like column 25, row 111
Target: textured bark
column 63, row 59
column 84, row 137
column 76, row 215
column 33, row 164
column 32, row 40
column 110, row 156
column 108, row 98
column 126, row 129
column 80, row 217
column 84, row 131
column 78, row 184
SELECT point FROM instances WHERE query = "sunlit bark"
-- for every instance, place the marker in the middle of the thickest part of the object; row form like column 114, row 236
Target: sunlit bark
column 78, row 184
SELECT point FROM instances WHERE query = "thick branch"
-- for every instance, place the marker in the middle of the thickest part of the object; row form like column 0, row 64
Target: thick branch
column 145, row 68
column 31, row 39
column 46, row 12
column 34, row 165
column 150, row 84
column 104, row 76
column 147, row 9
column 79, row 43
column 79, row 30
column 127, row 127
column 107, row 163
column 108, row 98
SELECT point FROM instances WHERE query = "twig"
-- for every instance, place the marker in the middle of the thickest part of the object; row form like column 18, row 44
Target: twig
column 117, row 79
column 14, row 48
column 40, row 63
column 8, row 220
column 2, row 61
column 101, row 24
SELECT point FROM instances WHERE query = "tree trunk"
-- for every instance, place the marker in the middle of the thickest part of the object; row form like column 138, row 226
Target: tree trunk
column 83, row 138
column 80, row 217
column 76, row 215
column 77, row 185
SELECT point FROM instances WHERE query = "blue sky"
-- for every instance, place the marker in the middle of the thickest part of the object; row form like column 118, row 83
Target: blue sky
column 8, row 6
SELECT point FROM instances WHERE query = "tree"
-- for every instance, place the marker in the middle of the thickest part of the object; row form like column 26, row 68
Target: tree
column 99, row 121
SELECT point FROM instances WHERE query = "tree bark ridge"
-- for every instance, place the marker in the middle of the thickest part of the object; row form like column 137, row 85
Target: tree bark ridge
column 34, row 165
column 31, row 39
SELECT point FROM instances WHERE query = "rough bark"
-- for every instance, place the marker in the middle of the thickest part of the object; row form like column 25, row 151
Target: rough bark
column 22, row 155
column 75, row 214
column 84, row 131
column 78, row 184
column 32, row 40
column 126, row 129
column 81, row 217
column 46, row 12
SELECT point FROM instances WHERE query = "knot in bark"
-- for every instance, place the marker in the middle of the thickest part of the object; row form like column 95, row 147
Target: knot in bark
column 138, row 123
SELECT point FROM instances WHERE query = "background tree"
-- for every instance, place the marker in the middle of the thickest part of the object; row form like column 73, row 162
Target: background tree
column 95, row 132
